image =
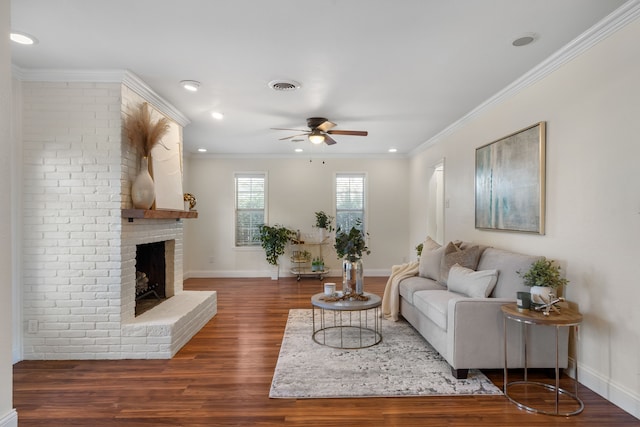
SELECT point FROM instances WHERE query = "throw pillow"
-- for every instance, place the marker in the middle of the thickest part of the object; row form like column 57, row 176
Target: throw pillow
column 474, row 284
column 430, row 258
column 454, row 255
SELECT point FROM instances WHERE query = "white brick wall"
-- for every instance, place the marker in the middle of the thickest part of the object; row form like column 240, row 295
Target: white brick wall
column 79, row 254
column 72, row 169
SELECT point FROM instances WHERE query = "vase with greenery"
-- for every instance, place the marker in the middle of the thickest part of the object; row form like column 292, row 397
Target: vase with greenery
column 544, row 278
column 274, row 240
column 350, row 247
column 323, row 224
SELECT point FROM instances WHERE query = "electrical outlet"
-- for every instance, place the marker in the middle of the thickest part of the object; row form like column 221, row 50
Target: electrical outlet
column 32, row 326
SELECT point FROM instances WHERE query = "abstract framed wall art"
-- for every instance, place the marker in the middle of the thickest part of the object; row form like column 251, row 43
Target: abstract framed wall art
column 510, row 182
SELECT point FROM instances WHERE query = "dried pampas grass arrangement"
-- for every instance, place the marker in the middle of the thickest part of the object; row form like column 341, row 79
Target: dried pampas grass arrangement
column 143, row 134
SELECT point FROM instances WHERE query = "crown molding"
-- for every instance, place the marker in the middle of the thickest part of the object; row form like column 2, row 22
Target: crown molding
column 610, row 24
column 137, row 85
column 125, row 77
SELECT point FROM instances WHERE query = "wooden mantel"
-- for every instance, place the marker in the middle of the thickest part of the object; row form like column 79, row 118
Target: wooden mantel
column 132, row 214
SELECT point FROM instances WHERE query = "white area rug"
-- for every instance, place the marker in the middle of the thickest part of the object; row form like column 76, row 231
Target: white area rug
column 403, row 364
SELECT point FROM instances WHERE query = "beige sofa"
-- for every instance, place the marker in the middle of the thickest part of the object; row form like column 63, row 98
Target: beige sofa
column 462, row 319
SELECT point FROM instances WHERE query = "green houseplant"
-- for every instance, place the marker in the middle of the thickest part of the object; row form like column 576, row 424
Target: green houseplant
column 351, row 245
column 324, row 221
column 274, row 240
column 543, row 277
column 323, row 224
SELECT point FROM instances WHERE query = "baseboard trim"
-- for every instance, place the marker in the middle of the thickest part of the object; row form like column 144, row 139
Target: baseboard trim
column 615, row 393
column 10, row 419
column 202, row 274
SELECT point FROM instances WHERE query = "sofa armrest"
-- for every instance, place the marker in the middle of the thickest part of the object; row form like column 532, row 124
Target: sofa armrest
column 475, row 332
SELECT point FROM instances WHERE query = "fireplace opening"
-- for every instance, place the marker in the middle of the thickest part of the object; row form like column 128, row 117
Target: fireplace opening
column 150, row 276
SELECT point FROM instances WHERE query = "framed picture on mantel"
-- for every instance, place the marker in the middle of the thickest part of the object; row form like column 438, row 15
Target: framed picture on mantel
column 510, row 182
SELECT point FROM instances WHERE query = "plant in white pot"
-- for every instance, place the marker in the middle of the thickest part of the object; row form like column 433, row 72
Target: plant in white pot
column 544, row 278
column 323, row 224
column 274, row 240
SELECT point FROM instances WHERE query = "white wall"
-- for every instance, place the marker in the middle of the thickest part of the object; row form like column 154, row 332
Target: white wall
column 591, row 106
column 8, row 416
column 296, row 189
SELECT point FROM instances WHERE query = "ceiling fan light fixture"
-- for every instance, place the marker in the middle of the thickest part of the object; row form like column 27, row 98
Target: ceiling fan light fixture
column 316, row 137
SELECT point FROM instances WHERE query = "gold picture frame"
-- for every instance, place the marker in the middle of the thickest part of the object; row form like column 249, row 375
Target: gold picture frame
column 510, row 182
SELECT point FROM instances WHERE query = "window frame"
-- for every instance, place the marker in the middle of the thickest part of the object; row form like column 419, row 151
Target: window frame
column 365, row 196
column 248, row 174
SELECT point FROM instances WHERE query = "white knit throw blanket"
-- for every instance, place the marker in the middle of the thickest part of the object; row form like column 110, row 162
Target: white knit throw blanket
column 391, row 298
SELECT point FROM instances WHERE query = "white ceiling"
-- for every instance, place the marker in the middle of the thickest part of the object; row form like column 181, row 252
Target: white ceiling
column 403, row 70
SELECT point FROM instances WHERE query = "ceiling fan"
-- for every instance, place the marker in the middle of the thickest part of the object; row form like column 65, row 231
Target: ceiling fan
column 320, row 131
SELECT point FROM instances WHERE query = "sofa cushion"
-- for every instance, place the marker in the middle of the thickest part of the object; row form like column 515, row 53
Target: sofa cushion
column 474, row 284
column 411, row 285
column 430, row 259
column 508, row 264
column 433, row 304
column 454, row 255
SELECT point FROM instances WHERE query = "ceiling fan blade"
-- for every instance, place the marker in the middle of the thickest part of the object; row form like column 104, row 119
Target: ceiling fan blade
column 293, row 136
column 325, row 126
column 297, row 130
column 328, row 140
column 349, row 132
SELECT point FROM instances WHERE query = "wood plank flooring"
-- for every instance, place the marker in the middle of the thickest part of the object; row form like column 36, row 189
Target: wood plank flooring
column 223, row 375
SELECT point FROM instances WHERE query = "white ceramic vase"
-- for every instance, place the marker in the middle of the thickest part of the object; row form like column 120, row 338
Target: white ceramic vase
column 540, row 294
column 275, row 272
column 143, row 190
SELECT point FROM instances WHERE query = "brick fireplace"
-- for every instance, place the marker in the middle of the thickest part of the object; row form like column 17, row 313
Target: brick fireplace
column 79, row 252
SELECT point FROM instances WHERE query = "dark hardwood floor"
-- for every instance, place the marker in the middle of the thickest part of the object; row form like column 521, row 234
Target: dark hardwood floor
column 223, row 375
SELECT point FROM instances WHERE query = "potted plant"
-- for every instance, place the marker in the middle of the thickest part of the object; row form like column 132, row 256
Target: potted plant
column 274, row 240
column 323, row 224
column 543, row 277
column 317, row 264
column 350, row 247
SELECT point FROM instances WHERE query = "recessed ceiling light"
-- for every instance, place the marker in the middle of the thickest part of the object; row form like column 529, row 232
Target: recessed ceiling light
column 393, row 150
column 22, row 38
column 524, row 40
column 202, row 150
column 284, row 85
column 190, row 85
column 299, row 150
column 216, row 115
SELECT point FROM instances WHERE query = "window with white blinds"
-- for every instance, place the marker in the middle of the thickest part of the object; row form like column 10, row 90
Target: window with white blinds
column 250, row 207
column 350, row 200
